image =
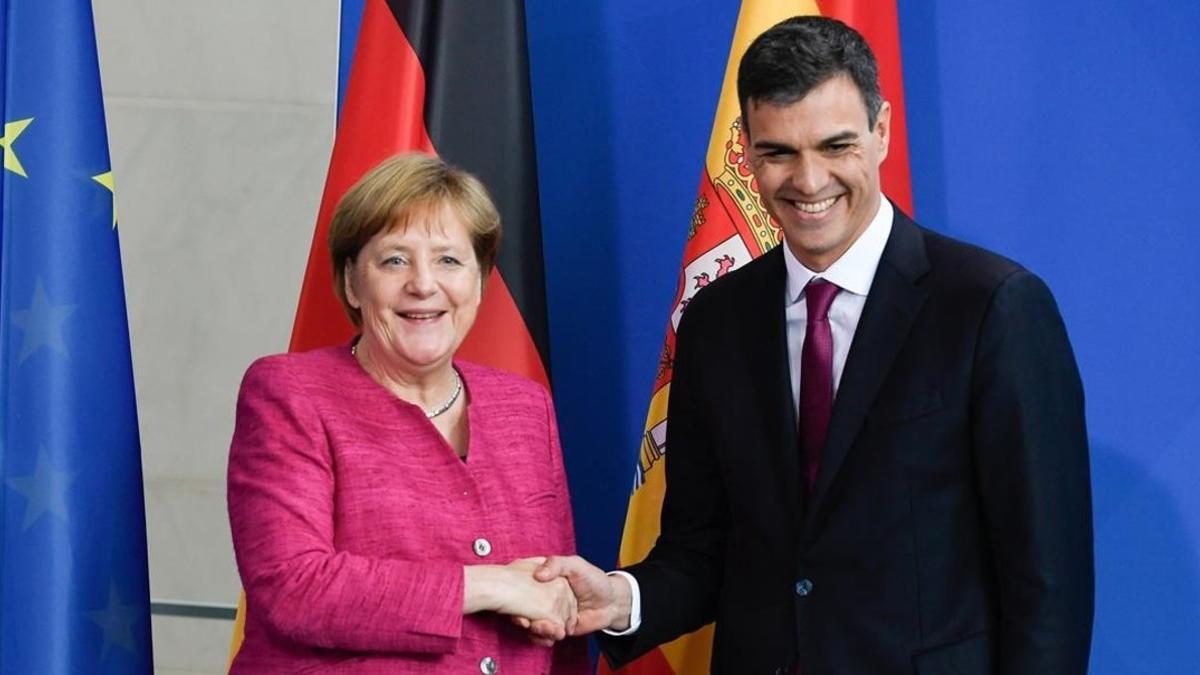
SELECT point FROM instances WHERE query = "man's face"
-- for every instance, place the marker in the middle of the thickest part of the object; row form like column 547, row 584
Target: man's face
column 817, row 164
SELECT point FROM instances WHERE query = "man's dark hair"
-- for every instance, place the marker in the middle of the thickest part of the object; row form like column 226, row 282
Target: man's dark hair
column 798, row 54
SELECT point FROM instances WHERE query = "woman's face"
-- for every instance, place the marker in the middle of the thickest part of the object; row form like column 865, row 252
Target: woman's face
column 418, row 288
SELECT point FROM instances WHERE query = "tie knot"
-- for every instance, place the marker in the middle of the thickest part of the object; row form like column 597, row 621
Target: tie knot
column 819, row 295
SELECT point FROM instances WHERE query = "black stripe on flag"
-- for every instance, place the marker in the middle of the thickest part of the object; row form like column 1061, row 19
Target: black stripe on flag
column 478, row 114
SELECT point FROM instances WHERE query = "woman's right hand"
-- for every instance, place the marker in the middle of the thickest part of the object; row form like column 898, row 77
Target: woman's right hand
column 511, row 589
column 541, row 601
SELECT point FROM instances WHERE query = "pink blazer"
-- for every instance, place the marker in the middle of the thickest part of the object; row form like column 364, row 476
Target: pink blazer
column 352, row 519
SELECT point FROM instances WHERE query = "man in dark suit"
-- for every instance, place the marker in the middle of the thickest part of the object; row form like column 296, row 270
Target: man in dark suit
column 877, row 454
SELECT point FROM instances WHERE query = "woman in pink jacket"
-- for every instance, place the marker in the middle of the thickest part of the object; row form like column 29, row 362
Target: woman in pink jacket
column 388, row 502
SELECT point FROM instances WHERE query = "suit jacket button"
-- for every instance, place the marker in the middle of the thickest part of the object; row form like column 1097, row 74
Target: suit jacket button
column 488, row 666
column 803, row 588
column 482, row 547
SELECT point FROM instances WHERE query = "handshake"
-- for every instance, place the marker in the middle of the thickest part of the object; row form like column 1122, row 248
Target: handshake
column 552, row 597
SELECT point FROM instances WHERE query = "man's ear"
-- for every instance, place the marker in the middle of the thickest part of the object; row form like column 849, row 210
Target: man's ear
column 883, row 129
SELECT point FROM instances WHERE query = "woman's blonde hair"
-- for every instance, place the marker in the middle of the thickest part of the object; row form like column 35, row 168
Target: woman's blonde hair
column 391, row 194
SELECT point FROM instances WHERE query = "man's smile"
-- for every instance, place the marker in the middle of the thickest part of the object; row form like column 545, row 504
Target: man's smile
column 812, row 208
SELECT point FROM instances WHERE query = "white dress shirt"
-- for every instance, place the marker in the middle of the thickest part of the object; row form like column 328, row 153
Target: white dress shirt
column 853, row 273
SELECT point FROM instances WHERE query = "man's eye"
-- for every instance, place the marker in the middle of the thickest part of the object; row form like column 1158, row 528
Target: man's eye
column 836, row 148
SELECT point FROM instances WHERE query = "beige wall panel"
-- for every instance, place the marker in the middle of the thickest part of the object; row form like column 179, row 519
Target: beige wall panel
column 228, row 50
column 195, row 646
column 220, row 117
column 216, row 216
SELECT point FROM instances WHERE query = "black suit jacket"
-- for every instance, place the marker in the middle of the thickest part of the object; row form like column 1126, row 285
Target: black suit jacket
column 949, row 530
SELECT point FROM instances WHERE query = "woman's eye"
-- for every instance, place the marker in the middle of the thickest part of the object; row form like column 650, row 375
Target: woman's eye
column 394, row 261
column 449, row 260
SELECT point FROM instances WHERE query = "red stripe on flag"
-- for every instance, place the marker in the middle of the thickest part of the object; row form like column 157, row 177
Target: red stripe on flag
column 879, row 24
column 382, row 114
column 500, row 338
column 652, row 663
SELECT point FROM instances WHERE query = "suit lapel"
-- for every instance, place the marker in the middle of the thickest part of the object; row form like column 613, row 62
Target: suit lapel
column 892, row 304
column 766, row 329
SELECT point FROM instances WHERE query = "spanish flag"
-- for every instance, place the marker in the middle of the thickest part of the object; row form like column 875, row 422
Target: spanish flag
column 450, row 79
column 730, row 227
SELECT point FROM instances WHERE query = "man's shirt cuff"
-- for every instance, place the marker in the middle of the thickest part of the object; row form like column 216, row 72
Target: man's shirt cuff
column 635, row 605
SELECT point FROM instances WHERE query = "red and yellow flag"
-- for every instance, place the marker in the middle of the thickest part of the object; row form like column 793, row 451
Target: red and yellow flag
column 450, row 79
column 729, row 228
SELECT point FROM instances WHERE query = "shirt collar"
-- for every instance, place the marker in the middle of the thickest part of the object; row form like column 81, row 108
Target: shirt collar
column 854, row 271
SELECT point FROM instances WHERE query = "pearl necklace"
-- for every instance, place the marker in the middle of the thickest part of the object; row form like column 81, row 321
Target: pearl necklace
column 430, row 414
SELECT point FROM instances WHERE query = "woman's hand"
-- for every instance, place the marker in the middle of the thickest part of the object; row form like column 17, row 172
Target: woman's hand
column 511, row 589
column 543, row 602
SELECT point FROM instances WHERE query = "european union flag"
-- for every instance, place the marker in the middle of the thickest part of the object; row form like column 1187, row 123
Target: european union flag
column 74, row 593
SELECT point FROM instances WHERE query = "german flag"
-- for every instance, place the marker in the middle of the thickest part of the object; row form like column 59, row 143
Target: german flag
column 451, row 79
column 730, row 227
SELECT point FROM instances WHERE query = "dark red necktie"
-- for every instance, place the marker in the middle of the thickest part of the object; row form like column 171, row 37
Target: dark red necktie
column 816, row 376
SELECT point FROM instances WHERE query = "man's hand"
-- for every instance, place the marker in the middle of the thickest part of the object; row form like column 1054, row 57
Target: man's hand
column 603, row 601
column 512, row 589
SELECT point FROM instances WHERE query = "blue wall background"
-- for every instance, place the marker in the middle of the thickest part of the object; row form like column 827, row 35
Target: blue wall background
column 1065, row 135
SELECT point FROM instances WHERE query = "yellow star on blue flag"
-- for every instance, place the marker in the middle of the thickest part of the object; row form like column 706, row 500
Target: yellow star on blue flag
column 13, row 130
column 45, row 490
column 116, row 621
column 106, row 179
column 42, row 324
